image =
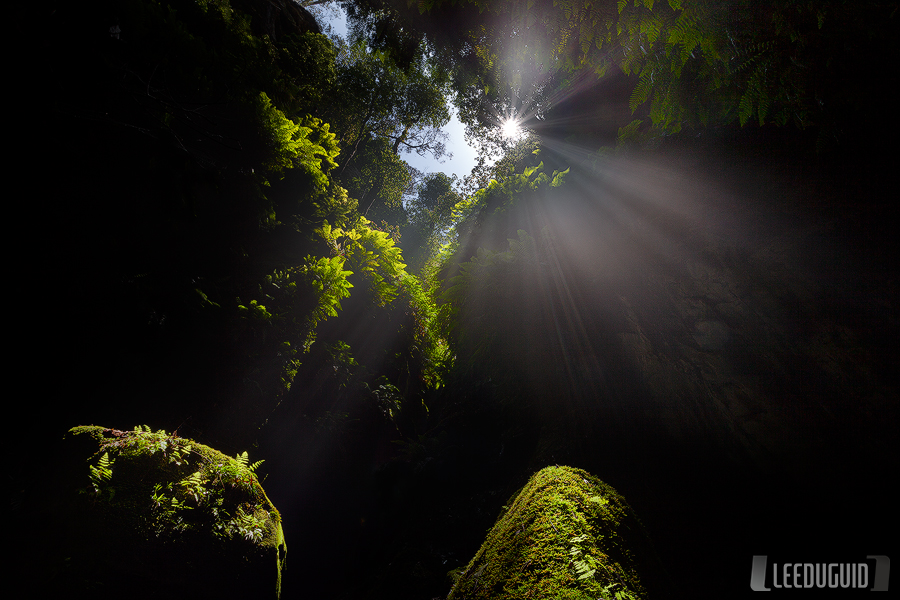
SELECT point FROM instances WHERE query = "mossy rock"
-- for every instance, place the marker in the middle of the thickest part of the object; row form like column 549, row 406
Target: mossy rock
column 566, row 534
column 158, row 513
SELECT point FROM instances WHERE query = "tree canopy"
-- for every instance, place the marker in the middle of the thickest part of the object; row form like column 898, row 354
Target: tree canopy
column 691, row 63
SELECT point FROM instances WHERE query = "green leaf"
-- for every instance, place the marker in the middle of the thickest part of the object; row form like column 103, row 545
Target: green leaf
column 745, row 107
column 558, row 178
column 629, row 131
column 642, row 90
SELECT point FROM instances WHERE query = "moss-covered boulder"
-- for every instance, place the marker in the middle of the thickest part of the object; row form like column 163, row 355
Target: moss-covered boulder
column 162, row 514
column 565, row 535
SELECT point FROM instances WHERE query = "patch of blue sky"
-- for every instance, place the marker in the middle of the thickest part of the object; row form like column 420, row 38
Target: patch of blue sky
column 463, row 155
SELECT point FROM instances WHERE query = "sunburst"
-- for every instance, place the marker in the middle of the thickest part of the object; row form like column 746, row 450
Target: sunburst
column 511, row 128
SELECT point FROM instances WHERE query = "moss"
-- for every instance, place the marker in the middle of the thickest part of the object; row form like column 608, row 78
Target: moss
column 167, row 512
column 566, row 534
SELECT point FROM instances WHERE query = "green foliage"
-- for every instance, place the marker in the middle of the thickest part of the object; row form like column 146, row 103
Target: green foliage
column 236, row 143
column 100, row 477
column 306, row 144
column 192, row 486
column 299, row 298
column 372, row 254
column 244, row 461
column 248, row 525
column 514, row 158
column 342, row 362
column 382, row 109
column 617, row 591
column 307, row 72
column 387, row 397
column 693, row 64
column 379, row 178
column 254, row 310
column 329, row 280
column 474, row 311
column 489, row 290
column 426, row 342
column 509, row 189
column 585, row 564
column 189, row 123
column 430, row 217
column 365, row 260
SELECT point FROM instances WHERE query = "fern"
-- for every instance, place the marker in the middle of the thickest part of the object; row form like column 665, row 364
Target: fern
column 629, row 132
column 101, row 475
column 642, row 90
column 193, row 487
column 103, row 471
column 750, row 55
column 248, row 525
column 243, row 460
column 168, row 505
column 585, row 564
column 756, row 95
column 623, row 594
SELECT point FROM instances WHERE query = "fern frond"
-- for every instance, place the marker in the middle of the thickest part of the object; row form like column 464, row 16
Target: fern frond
column 765, row 101
column 101, row 474
column 745, row 106
column 750, row 55
column 755, row 94
column 642, row 90
column 629, row 131
column 652, row 29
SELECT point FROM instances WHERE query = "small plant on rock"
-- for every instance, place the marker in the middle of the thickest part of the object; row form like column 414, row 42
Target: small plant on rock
column 100, row 476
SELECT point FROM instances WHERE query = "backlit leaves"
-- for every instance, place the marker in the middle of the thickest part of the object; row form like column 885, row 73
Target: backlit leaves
column 307, row 144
